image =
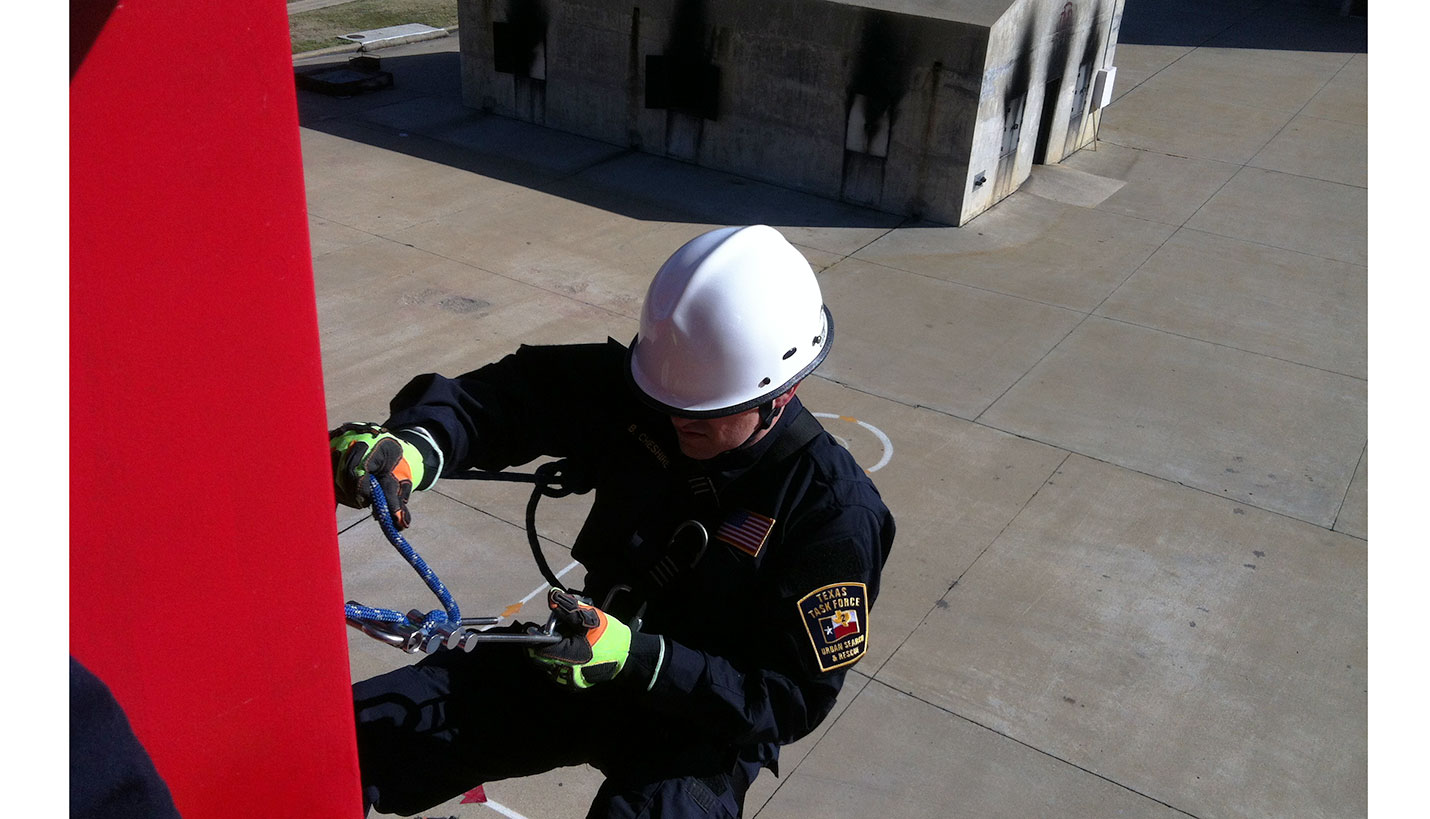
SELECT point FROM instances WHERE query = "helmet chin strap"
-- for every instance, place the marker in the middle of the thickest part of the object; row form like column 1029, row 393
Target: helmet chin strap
column 769, row 413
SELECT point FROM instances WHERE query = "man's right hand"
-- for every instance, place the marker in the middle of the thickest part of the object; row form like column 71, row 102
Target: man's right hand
column 360, row 450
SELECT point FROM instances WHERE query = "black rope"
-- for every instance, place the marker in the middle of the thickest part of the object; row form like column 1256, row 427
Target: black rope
column 555, row 479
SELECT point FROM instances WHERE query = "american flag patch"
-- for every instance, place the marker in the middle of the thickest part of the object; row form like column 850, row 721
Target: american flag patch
column 745, row 531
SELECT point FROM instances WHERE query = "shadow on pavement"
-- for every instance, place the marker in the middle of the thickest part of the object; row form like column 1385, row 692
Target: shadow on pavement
column 1280, row 25
column 422, row 115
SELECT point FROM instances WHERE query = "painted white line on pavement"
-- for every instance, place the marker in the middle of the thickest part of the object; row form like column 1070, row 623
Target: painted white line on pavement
column 543, row 587
column 503, row 809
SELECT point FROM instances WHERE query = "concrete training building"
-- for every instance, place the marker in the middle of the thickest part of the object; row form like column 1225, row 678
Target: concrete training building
column 919, row 107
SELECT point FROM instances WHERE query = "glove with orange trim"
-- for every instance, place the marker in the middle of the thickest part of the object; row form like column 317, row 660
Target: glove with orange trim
column 360, row 450
column 595, row 647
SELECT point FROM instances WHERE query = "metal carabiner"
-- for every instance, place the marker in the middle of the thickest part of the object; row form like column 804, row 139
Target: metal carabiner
column 394, row 634
column 636, row 619
column 704, row 540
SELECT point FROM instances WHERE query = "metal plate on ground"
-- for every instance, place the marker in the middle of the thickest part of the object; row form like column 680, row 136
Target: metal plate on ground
column 393, row 35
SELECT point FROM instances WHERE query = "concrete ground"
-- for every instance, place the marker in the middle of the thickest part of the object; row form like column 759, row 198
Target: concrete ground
column 1125, row 414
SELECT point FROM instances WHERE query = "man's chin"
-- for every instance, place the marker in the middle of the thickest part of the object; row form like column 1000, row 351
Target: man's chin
column 696, row 449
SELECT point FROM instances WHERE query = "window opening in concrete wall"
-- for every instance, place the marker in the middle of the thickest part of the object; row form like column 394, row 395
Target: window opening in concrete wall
column 1079, row 108
column 1057, row 69
column 689, row 91
column 1004, row 179
column 865, row 134
column 682, row 84
column 519, row 49
column 866, row 144
column 685, row 80
column 1045, row 120
column 877, row 82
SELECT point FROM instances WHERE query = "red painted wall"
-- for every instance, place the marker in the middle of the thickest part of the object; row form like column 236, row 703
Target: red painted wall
column 204, row 578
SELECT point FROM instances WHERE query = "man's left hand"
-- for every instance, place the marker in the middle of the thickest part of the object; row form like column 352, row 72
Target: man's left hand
column 595, row 645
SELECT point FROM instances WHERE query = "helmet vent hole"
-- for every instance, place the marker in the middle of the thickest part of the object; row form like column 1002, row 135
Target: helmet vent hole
column 791, row 352
column 765, row 383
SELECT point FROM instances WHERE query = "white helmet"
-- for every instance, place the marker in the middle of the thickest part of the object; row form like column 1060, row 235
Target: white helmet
column 732, row 320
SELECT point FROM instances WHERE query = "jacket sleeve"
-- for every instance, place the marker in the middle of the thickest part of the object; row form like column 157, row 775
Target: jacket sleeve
column 111, row 774
column 536, row 401
column 788, row 696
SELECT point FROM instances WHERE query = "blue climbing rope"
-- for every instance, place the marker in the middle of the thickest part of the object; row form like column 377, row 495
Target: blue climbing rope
column 434, row 618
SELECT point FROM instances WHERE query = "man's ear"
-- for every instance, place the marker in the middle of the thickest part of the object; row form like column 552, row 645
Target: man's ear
column 784, row 397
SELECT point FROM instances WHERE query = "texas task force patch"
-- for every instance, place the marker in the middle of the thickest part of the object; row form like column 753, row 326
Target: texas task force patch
column 837, row 618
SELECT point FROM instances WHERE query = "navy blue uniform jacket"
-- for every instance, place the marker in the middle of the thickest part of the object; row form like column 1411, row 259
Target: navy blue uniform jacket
column 759, row 633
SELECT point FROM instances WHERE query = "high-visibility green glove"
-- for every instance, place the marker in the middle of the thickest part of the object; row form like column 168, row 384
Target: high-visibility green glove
column 595, row 648
column 360, row 450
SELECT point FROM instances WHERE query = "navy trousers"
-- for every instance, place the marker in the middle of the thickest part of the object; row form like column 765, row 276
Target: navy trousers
column 432, row 731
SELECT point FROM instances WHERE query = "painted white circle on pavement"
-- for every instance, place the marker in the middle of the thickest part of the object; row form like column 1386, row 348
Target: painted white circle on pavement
column 884, row 442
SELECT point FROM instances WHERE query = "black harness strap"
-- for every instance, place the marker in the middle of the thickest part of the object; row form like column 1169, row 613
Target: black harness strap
column 803, row 428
